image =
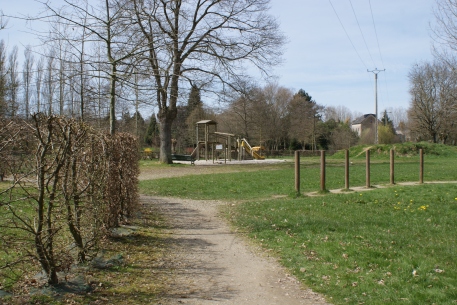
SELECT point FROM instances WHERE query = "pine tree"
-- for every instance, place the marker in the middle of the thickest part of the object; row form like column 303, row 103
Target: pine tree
column 386, row 121
column 194, row 100
column 152, row 134
column 305, row 95
column 195, row 113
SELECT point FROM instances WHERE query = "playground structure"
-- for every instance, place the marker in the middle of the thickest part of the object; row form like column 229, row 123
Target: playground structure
column 255, row 151
column 210, row 144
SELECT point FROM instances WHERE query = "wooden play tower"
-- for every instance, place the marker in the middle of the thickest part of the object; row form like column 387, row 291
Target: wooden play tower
column 210, row 140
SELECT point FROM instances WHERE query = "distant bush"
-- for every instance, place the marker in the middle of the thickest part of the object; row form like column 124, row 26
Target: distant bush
column 401, row 149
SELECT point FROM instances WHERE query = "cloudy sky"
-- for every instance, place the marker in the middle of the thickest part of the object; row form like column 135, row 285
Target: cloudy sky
column 332, row 44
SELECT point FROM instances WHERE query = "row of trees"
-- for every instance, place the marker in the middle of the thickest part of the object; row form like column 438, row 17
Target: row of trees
column 280, row 118
column 104, row 61
column 149, row 50
column 53, row 83
column 273, row 116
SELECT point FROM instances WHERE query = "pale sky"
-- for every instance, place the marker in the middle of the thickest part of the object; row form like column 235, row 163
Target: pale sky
column 320, row 58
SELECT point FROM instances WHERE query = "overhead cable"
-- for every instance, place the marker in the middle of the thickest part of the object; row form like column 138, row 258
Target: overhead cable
column 376, row 33
column 361, row 32
column 341, row 23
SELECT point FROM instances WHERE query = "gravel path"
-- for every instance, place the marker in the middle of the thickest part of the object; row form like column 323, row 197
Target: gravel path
column 213, row 265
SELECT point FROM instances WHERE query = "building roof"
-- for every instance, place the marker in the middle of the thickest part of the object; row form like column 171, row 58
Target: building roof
column 359, row 120
column 209, row 122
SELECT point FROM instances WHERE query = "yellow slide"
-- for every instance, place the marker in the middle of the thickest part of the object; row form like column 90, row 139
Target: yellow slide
column 251, row 151
column 257, row 156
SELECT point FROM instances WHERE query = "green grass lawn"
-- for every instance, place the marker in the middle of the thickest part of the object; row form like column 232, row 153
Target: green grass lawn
column 279, row 179
column 393, row 245
column 10, row 238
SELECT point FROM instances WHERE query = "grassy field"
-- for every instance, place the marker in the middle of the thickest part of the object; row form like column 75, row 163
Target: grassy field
column 279, row 179
column 393, row 245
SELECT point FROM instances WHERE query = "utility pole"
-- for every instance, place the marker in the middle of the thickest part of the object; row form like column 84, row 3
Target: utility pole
column 376, row 72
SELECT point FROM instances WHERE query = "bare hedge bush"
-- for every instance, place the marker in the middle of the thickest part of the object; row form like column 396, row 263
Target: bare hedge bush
column 68, row 185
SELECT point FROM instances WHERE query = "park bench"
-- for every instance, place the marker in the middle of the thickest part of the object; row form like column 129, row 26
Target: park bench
column 183, row 158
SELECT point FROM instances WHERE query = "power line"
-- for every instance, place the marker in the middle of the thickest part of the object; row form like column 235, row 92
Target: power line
column 376, row 33
column 361, row 32
column 341, row 23
column 379, row 48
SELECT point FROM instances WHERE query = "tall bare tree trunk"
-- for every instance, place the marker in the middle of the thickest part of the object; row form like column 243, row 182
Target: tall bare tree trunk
column 165, row 123
column 112, row 101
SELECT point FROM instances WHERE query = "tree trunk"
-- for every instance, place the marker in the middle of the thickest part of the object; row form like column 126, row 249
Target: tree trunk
column 112, row 103
column 166, row 121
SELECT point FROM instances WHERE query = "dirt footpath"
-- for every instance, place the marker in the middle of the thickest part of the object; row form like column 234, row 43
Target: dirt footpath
column 213, row 265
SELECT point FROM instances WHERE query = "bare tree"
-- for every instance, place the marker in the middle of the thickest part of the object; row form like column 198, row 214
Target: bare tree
column 433, row 100
column 69, row 43
column 62, row 77
column 240, row 116
column 49, row 81
column 3, row 79
column 27, row 75
column 13, row 82
column 445, row 31
column 260, row 114
column 398, row 115
column 38, row 83
column 424, row 104
column 108, row 25
column 202, row 40
column 273, row 115
column 342, row 137
column 304, row 115
column 3, row 21
column 338, row 113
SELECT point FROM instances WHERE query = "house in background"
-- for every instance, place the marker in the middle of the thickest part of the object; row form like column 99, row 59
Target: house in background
column 365, row 122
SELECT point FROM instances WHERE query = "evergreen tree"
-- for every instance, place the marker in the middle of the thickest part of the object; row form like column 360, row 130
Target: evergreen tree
column 152, row 133
column 302, row 93
column 194, row 100
column 386, row 121
column 195, row 113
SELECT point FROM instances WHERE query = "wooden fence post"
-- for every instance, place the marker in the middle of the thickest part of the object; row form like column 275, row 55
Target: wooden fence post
column 421, row 162
column 322, row 170
column 367, row 166
column 392, row 161
column 297, row 171
column 346, row 169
